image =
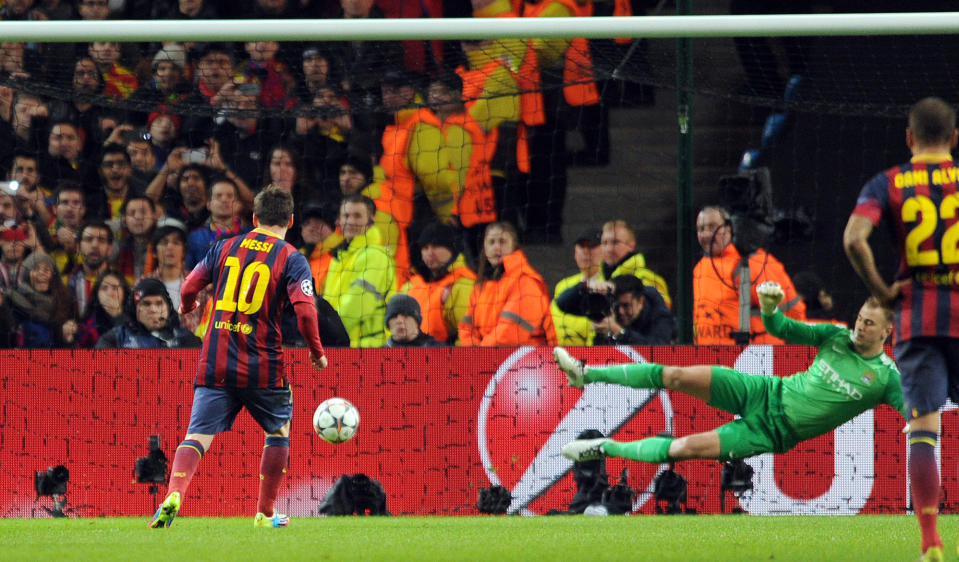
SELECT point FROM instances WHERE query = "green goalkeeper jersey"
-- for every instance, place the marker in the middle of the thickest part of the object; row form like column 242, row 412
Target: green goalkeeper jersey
column 839, row 385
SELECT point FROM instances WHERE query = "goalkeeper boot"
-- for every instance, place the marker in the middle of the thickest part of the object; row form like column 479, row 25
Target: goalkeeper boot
column 585, row 449
column 275, row 520
column 933, row 554
column 167, row 511
column 575, row 370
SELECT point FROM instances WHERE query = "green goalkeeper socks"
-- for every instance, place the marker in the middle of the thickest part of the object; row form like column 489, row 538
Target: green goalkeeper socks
column 652, row 449
column 636, row 375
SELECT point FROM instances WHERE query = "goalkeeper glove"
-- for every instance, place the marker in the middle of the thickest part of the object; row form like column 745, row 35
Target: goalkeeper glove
column 770, row 295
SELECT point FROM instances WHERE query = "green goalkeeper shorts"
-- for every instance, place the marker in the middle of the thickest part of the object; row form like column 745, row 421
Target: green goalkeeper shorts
column 762, row 426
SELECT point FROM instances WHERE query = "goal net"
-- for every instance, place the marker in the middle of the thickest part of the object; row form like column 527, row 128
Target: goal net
column 821, row 113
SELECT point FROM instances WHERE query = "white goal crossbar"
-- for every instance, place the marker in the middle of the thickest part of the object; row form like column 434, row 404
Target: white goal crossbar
column 924, row 23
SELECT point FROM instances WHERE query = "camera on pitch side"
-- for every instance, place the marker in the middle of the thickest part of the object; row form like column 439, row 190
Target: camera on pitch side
column 153, row 467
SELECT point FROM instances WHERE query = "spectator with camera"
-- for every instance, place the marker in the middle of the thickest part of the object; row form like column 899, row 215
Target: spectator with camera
column 274, row 77
column 325, row 135
column 576, row 329
column 214, row 71
column 717, row 303
column 153, row 322
column 23, row 122
column 244, row 139
column 30, row 198
column 80, row 108
column 24, row 169
column 163, row 132
column 623, row 310
column 143, row 160
column 620, row 257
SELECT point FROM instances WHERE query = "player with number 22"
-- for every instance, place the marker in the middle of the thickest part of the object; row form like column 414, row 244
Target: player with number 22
column 919, row 201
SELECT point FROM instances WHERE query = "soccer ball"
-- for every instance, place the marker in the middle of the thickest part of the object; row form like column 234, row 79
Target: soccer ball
column 336, row 420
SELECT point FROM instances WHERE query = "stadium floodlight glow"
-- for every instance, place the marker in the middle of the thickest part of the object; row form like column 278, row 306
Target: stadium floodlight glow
column 53, row 483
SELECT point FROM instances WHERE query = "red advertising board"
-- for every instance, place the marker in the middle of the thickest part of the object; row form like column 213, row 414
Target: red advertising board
column 437, row 425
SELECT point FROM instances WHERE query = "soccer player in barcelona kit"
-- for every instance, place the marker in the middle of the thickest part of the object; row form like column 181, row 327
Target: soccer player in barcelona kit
column 849, row 375
column 920, row 203
column 241, row 364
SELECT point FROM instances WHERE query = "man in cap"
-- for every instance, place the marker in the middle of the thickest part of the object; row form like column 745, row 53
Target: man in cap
column 153, row 321
column 623, row 311
column 574, row 329
column 442, row 284
column 403, row 320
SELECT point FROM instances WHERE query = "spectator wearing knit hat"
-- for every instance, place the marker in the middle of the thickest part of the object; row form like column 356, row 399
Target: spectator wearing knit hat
column 153, row 322
column 442, row 283
column 166, row 86
column 403, row 320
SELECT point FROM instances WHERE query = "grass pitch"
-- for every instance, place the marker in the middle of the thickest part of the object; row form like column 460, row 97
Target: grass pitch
column 683, row 537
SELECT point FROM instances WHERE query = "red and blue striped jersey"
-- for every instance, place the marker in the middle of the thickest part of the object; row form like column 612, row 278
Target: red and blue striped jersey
column 253, row 275
column 920, row 203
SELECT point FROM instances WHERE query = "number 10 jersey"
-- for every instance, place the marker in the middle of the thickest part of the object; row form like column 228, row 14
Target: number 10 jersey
column 253, row 276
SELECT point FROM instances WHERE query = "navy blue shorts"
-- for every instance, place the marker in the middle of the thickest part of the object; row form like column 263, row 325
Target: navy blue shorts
column 215, row 408
column 930, row 373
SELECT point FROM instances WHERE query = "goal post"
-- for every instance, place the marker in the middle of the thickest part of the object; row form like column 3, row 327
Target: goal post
column 922, row 23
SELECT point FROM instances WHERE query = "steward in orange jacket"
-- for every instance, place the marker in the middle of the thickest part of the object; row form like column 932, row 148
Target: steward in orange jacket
column 716, row 284
column 414, row 161
column 716, row 296
column 443, row 289
column 509, row 304
column 471, row 149
column 536, row 62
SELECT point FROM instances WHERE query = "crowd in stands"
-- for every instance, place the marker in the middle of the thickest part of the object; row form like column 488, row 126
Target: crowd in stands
column 417, row 174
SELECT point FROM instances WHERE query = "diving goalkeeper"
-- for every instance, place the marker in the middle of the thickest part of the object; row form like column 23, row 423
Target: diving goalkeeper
column 849, row 375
